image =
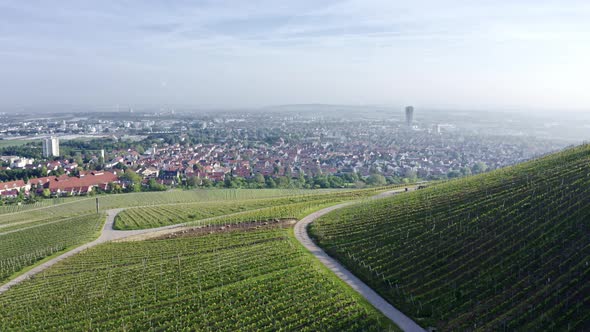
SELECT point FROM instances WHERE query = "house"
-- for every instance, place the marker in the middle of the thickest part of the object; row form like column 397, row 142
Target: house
column 9, row 193
column 169, row 174
column 14, row 185
column 82, row 184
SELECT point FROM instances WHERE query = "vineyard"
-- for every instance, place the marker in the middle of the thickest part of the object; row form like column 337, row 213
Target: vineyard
column 508, row 250
column 259, row 209
column 22, row 245
column 37, row 232
column 84, row 204
column 14, row 208
column 236, row 281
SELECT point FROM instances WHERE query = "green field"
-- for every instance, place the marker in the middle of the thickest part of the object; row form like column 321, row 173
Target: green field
column 279, row 206
column 15, row 142
column 30, row 235
column 508, row 250
column 85, row 204
column 22, row 245
column 236, row 281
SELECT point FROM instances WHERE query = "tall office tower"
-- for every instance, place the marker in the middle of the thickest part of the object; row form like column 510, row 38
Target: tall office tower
column 51, row 147
column 409, row 115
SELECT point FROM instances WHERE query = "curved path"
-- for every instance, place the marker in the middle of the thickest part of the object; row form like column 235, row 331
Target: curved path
column 403, row 321
column 109, row 234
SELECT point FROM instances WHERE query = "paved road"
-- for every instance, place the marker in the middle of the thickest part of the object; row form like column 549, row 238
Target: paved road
column 403, row 321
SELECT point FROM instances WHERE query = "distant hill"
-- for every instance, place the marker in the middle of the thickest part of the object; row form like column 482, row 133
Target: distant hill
column 508, row 250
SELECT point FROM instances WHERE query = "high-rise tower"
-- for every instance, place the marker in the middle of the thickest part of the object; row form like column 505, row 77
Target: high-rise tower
column 409, row 115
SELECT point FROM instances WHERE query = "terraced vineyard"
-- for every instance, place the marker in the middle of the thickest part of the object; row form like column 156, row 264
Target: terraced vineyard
column 508, row 250
column 244, row 280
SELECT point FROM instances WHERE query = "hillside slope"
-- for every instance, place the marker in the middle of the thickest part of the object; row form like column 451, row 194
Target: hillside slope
column 507, row 250
column 240, row 280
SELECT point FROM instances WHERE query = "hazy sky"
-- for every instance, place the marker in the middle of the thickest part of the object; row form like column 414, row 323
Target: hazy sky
column 509, row 54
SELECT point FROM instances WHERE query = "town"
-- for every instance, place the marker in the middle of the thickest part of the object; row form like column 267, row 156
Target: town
column 69, row 154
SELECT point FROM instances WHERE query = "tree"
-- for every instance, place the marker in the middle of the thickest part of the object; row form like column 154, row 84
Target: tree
column 283, row 182
column 270, row 183
column 465, row 171
column 479, row 167
column 191, row 181
column 410, row 174
column 153, row 185
column 114, row 188
column 453, row 174
column 133, row 179
column 376, row 180
column 46, row 193
column 79, row 160
column 206, row 183
column 259, row 178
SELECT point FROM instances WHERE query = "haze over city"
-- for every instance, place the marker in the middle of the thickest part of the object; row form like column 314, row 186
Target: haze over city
column 511, row 55
column 302, row 165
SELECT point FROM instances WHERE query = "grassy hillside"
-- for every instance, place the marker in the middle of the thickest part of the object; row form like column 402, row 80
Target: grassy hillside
column 234, row 281
column 507, row 250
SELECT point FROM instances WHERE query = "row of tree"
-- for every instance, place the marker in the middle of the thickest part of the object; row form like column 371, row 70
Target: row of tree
column 302, row 182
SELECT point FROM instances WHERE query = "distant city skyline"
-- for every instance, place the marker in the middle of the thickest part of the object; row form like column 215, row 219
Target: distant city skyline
column 523, row 54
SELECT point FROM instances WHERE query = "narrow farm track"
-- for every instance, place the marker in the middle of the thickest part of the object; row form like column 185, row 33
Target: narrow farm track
column 110, row 234
column 401, row 320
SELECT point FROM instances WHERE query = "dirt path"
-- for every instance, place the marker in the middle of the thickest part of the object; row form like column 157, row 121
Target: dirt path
column 401, row 320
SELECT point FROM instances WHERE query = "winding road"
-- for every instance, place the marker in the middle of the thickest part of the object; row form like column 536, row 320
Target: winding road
column 110, row 234
column 401, row 320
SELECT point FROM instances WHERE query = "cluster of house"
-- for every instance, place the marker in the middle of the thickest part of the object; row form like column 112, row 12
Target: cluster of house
column 212, row 161
column 63, row 185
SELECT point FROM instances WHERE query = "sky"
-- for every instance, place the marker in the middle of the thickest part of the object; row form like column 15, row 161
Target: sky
column 504, row 54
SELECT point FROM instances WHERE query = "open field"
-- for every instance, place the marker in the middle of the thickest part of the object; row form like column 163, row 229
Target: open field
column 15, row 142
column 245, row 280
column 508, row 250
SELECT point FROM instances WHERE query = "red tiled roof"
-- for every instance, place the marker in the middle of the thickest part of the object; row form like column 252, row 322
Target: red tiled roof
column 87, row 179
column 12, row 184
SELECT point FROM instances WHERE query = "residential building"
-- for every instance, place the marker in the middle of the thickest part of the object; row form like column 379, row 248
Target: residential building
column 51, row 147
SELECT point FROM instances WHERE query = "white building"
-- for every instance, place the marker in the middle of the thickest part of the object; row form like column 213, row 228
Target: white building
column 51, row 147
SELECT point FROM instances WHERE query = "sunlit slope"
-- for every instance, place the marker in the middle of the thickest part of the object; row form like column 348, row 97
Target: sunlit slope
column 294, row 206
column 256, row 280
column 501, row 251
column 33, row 232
